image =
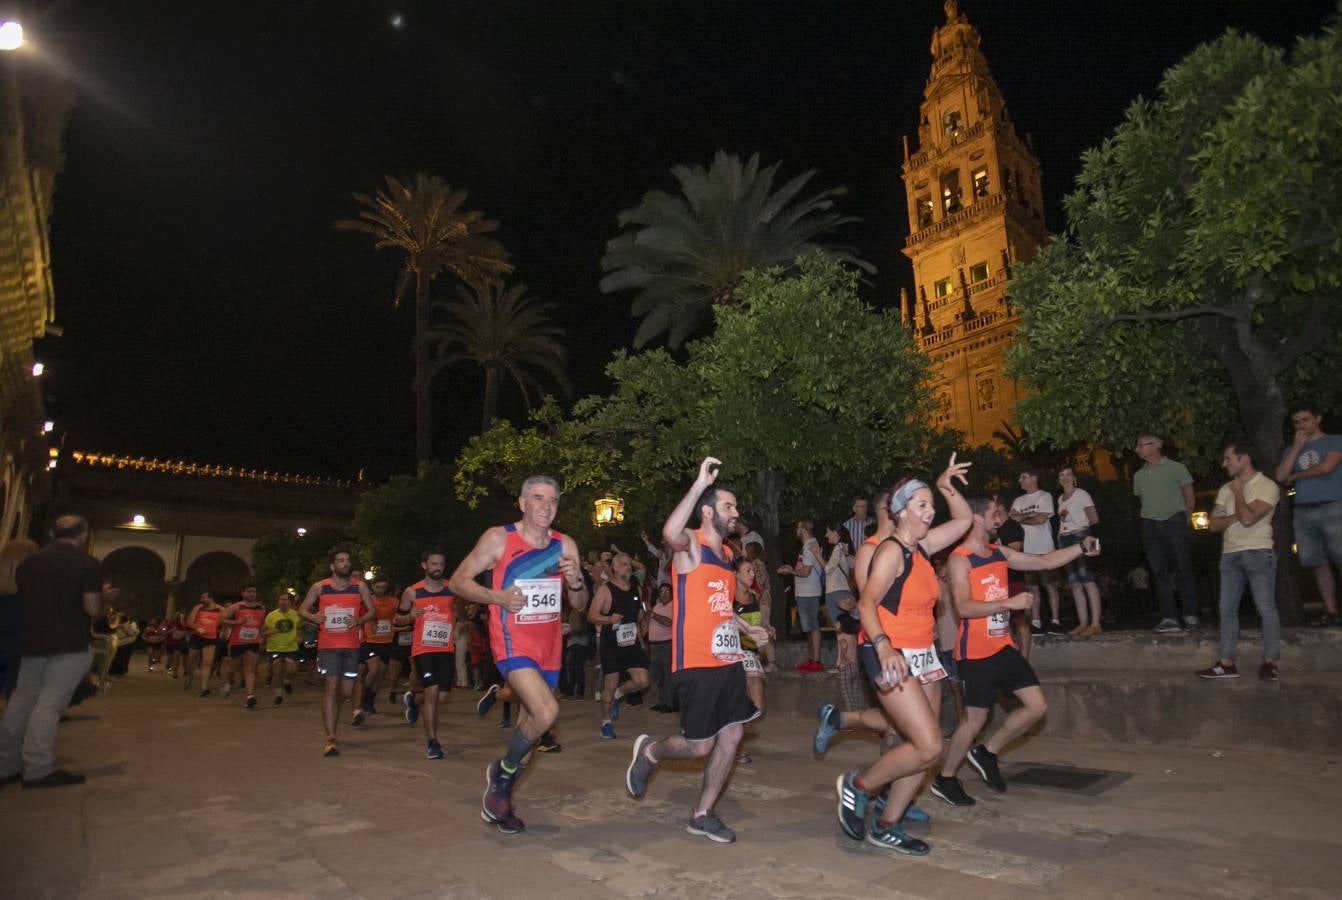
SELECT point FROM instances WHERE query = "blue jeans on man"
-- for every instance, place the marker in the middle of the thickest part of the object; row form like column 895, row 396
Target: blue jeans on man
column 1167, row 553
column 1257, row 569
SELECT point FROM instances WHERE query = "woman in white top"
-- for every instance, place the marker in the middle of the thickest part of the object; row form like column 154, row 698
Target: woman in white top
column 1076, row 517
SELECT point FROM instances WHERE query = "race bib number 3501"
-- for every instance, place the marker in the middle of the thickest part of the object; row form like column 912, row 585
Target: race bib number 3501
column 542, row 600
column 727, row 642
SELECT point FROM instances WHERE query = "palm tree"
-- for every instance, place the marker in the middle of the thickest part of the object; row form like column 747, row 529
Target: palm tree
column 682, row 254
column 424, row 219
column 505, row 332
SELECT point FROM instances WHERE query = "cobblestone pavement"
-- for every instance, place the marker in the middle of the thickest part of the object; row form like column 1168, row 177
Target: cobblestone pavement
column 201, row 798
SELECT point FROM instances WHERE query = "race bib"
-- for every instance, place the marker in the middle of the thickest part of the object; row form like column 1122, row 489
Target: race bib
column 249, row 635
column 924, row 665
column 404, row 638
column 542, row 600
column 339, row 618
column 436, row 631
column 382, row 626
column 999, row 624
column 752, row 664
column 626, row 633
column 726, row 644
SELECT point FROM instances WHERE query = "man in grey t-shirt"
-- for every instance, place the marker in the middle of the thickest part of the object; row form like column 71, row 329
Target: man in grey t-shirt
column 1313, row 464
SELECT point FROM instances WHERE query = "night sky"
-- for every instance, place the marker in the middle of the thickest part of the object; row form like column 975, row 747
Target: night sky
column 210, row 310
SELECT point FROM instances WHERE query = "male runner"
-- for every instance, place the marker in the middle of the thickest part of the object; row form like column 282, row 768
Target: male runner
column 247, row 617
column 377, row 638
column 707, row 677
column 281, row 633
column 616, row 606
column 338, row 606
column 530, row 565
column 985, row 657
column 430, row 608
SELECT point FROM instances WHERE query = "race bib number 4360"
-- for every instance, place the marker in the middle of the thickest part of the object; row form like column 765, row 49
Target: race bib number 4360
column 542, row 600
column 437, row 631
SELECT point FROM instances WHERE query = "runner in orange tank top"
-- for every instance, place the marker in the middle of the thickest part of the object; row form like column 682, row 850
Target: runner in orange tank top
column 203, row 621
column 985, row 655
column 708, row 679
column 375, row 652
column 247, row 617
column 896, row 610
column 338, row 606
column 532, row 566
column 431, row 610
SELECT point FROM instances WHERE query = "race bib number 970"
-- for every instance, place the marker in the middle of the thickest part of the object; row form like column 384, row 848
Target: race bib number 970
column 626, row 633
column 542, row 600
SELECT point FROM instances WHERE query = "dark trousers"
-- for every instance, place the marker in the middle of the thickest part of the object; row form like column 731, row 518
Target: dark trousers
column 659, row 658
column 573, row 674
column 1166, row 545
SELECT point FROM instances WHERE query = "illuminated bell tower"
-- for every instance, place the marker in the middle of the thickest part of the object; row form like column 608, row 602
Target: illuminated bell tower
column 975, row 207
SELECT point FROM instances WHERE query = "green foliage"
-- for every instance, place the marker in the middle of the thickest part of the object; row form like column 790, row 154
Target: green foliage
column 1194, row 290
column 683, row 254
column 284, row 561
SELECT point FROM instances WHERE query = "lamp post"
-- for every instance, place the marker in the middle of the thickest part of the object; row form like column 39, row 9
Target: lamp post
column 607, row 511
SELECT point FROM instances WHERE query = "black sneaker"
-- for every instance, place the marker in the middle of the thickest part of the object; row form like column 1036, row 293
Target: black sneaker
column 1327, row 620
column 640, row 767
column 250, row 702
column 58, row 778
column 204, row 692
column 1219, row 670
column 1036, row 629
column 1055, row 627
column 547, row 744
column 986, row 764
column 951, row 790
column 711, row 827
column 510, row 824
column 486, row 702
column 288, row 688
column 279, row 698
column 1268, row 671
column 852, row 809
column 497, row 803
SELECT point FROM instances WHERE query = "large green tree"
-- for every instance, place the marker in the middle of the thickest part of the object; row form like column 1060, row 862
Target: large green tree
column 682, row 254
column 424, row 219
column 507, row 333
column 1194, row 292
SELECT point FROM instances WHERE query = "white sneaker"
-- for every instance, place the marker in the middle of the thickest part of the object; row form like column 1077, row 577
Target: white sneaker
column 226, row 689
column 1167, row 626
column 1190, row 621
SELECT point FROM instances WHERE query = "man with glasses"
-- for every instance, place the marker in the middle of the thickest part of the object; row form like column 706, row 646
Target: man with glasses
column 1166, row 491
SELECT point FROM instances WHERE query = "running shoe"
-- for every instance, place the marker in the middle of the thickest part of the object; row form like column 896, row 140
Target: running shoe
column 358, row 717
column 1055, row 627
column 226, row 689
column 288, row 688
column 608, row 731
column 497, row 803
column 250, row 702
column 1190, row 621
column 951, row 790
column 711, row 827
column 640, row 767
column 505, row 721
column 330, row 749
column 1268, row 671
column 914, row 812
column 435, row 750
column 1167, row 626
column 548, row 744
column 510, row 825
column 1219, row 670
column 279, row 698
column 825, row 729
column 986, row 764
column 614, row 706
column 852, row 806
column 204, row 692
column 892, row 837
column 1327, row 620
column 487, row 701
column 411, row 707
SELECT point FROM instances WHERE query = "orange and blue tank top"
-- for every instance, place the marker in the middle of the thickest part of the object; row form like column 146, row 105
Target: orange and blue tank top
column 983, row 636
column 534, row 630
column 434, row 631
column 703, row 612
column 247, row 621
column 339, row 608
column 908, row 610
column 378, row 630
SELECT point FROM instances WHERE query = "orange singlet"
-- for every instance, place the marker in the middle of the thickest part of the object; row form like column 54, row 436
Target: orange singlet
column 907, row 613
column 433, row 630
column 377, row 630
column 983, row 636
column 247, row 625
column 339, row 608
column 703, row 612
column 207, row 622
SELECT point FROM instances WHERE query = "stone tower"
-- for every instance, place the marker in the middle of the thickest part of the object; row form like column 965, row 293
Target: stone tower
column 975, row 207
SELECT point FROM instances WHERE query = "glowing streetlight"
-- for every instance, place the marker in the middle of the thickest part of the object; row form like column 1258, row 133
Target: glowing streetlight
column 1200, row 521
column 300, row 531
column 48, row 426
column 38, row 369
column 11, row 35
column 607, row 511
column 137, row 520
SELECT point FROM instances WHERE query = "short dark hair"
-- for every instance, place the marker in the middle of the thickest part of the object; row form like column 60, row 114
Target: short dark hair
column 1241, row 447
column 980, row 505
column 708, row 498
column 1308, row 406
column 1033, row 471
column 69, row 526
column 432, row 551
column 336, row 551
column 247, row 584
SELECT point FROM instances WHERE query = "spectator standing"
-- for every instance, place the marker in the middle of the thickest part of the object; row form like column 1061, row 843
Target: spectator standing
column 11, row 616
column 808, row 579
column 1311, row 463
column 755, row 553
column 60, row 590
column 857, row 526
column 659, row 649
column 1166, row 491
column 1243, row 514
column 1076, row 517
column 1033, row 509
column 839, row 591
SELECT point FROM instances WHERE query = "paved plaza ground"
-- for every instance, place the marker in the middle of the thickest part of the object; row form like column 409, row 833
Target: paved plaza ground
column 199, row 798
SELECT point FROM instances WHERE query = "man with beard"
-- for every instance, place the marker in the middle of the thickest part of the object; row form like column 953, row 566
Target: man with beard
column 616, row 606
column 430, row 608
column 531, row 564
column 338, row 606
column 707, row 676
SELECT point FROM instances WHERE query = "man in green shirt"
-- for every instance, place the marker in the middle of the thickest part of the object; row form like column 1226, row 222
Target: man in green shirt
column 1166, row 492
column 281, row 631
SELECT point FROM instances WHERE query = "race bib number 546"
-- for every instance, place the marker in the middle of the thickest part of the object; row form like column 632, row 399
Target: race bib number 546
column 542, row 600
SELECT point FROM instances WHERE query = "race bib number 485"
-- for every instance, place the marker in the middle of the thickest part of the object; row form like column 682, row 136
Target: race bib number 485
column 339, row 618
column 542, row 600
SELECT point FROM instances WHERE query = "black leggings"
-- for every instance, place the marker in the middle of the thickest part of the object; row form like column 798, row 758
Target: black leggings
column 573, row 675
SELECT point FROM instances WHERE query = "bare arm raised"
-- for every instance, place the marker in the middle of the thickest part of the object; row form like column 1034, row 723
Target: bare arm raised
column 947, row 533
column 676, row 531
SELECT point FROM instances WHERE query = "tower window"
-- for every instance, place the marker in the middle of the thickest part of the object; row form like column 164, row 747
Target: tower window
column 1008, row 184
column 978, row 272
column 950, row 122
column 950, row 192
column 942, row 288
column 980, row 179
column 924, row 204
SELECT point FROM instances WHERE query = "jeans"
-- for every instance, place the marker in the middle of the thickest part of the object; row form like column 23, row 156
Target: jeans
column 1166, row 545
column 573, row 674
column 28, row 730
column 659, row 658
column 1259, row 569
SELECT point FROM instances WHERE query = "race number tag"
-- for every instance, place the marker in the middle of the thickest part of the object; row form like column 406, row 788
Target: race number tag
column 999, row 624
column 626, row 633
column 404, row 638
column 436, row 631
column 542, row 600
column 249, row 635
column 382, row 626
column 924, row 665
column 752, row 664
column 726, row 644
column 339, row 618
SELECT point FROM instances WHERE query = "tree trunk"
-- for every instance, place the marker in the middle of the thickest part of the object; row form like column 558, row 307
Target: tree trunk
column 767, row 490
column 491, row 410
column 423, row 380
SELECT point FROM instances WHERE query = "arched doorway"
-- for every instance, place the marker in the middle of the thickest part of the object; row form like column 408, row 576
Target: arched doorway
column 221, row 573
column 139, row 574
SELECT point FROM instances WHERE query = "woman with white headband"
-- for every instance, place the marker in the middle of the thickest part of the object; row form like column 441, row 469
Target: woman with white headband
column 897, row 649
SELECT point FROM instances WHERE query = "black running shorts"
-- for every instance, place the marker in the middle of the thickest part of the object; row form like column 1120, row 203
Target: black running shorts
column 710, row 699
column 615, row 659
column 1006, row 670
column 436, row 669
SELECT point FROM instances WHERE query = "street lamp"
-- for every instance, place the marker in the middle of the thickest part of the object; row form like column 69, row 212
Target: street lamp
column 607, row 511
column 1200, row 521
column 11, row 35
column 300, row 531
column 38, row 369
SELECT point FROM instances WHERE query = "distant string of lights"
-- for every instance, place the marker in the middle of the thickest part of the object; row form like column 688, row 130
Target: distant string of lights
column 180, row 467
